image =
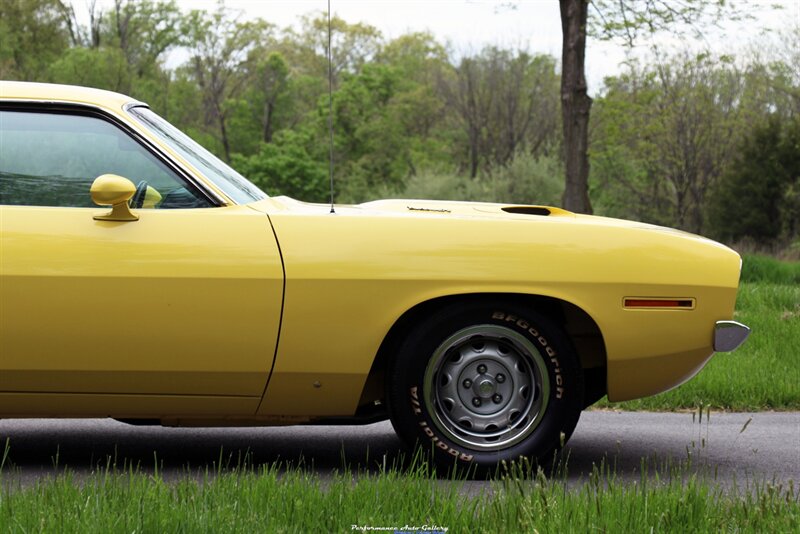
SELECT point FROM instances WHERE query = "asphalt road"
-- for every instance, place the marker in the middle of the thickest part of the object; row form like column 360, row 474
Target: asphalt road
column 723, row 449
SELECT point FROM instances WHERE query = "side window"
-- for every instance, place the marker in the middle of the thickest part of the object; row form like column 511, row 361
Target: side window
column 51, row 159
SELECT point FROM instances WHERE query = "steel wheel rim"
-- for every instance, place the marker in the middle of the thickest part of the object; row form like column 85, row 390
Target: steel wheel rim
column 486, row 387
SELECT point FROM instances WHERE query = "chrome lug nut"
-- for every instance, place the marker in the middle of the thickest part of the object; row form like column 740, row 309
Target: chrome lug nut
column 476, row 401
column 467, row 383
column 497, row 398
column 481, row 369
column 500, row 378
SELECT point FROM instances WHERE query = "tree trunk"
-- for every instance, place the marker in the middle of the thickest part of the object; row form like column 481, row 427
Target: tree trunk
column 269, row 108
column 575, row 105
column 474, row 155
column 223, row 130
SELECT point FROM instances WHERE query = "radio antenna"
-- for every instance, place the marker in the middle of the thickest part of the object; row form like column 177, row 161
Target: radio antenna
column 330, row 104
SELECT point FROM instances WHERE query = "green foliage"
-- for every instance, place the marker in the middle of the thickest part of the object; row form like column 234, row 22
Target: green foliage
column 33, row 33
column 500, row 102
column 104, row 68
column 525, row 180
column 371, row 145
column 417, row 55
column 383, row 131
column 271, row 98
column 759, row 197
column 286, row 168
column 627, row 21
column 626, row 181
column 665, row 134
column 352, row 45
column 764, row 269
column 144, row 31
column 220, row 48
column 412, row 119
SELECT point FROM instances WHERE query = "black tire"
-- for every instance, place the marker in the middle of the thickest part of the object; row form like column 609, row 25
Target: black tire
column 446, row 393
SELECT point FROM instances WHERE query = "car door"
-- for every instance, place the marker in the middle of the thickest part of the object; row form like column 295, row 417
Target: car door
column 185, row 301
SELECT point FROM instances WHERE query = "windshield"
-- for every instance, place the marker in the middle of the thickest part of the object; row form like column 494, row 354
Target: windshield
column 231, row 182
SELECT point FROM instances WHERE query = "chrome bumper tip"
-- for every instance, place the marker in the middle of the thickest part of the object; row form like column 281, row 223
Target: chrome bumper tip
column 729, row 335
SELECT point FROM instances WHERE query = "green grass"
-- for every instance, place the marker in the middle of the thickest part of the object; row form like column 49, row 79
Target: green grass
column 271, row 499
column 757, row 268
column 764, row 373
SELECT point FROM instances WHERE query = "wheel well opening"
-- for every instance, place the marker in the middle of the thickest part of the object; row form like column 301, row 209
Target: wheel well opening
column 579, row 326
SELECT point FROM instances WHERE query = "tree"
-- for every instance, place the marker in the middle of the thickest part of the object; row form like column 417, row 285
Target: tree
column 372, row 147
column 621, row 20
column 305, row 53
column 103, row 67
column 759, row 197
column 273, row 76
column 144, row 30
column 419, row 56
column 775, row 60
column 504, row 102
column 352, row 45
column 219, row 46
column 417, row 107
column 575, row 105
column 286, row 168
column 33, row 33
column 665, row 133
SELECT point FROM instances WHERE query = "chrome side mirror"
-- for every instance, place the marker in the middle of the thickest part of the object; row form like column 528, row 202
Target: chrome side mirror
column 115, row 191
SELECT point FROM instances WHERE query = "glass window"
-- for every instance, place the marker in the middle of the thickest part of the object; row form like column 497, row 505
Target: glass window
column 231, row 182
column 51, row 159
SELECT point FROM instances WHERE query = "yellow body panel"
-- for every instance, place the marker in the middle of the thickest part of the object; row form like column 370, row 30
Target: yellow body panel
column 351, row 275
column 163, row 316
column 180, row 302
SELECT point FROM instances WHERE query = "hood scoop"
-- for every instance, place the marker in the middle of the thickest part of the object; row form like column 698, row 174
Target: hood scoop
column 528, row 210
column 447, row 208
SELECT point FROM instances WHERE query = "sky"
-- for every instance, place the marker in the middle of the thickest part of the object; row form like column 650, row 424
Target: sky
column 469, row 25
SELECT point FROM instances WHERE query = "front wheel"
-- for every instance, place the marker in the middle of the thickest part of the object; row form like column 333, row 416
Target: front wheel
column 480, row 384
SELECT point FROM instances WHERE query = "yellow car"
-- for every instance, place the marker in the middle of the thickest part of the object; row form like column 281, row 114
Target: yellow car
column 143, row 279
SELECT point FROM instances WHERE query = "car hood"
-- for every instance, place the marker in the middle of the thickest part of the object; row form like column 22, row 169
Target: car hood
column 414, row 207
column 496, row 242
column 448, row 209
